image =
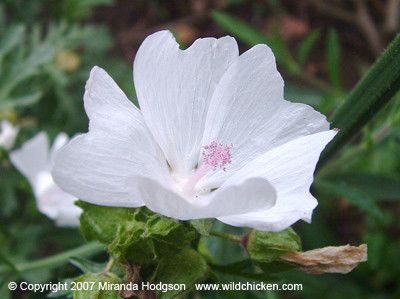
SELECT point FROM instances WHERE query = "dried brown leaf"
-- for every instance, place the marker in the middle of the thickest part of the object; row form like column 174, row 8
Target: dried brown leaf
column 330, row 259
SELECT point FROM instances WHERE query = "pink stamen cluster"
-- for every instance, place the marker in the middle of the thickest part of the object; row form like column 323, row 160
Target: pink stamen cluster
column 217, row 155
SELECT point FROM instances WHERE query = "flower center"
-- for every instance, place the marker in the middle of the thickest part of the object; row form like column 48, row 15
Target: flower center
column 216, row 156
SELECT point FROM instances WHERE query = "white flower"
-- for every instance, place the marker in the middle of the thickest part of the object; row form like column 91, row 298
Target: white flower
column 34, row 161
column 8, row 134
column 214, row 138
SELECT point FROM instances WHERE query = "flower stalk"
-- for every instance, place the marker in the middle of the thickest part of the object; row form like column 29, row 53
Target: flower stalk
column 226, row 236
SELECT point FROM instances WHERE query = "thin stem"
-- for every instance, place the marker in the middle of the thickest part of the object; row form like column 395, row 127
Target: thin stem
column 110, row 264
column 226, row 236
column 57, row 259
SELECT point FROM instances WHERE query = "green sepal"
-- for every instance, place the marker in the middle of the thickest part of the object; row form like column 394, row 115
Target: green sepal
column 268, row 246
column 93, row 282
column 186, row 267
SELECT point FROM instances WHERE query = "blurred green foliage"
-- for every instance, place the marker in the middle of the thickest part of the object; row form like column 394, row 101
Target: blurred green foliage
column 47, row 49
column 44, row 64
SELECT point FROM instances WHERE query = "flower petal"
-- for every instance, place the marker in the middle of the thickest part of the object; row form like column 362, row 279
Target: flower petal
column 93, row 166
column 249, row 195
column 22, row 158
column 8, row 134
column 61, row 140
column 248, row 110
column 54, row 202
column 289, row 168
column 174, row 89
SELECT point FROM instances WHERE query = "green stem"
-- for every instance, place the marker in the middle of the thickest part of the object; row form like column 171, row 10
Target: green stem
column 110, row 264
column 226, row 236
column 57, row 259
column 370, row 95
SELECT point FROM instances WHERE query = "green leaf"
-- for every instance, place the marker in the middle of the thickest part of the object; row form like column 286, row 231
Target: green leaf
column 101, row 223
column 8, row 263
column 370, row 95
column 297, row 94
column 240, row 269
column 187, row 267
column 11, row 38
column 64, row 293
column 275, row 267
column 380, row 187
column 306, row 46
column 5, row 293
column 159, row 227
column 252, row 36
column 168, row 235
column 87, row 266
column 131, row 246
column 203, row 226
column 333, row 58
column 22, row 101
column 79, row 9
column 268, row 246
column 240, row 29
column 95, row 286
column 282, row 52
column 355, row 196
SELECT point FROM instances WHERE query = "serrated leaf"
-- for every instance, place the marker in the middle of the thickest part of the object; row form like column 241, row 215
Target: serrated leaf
column 101, row 223
column 168, row 235
column 268, row 246
column 135, row 249
column 187, row 267
column 158, row 226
